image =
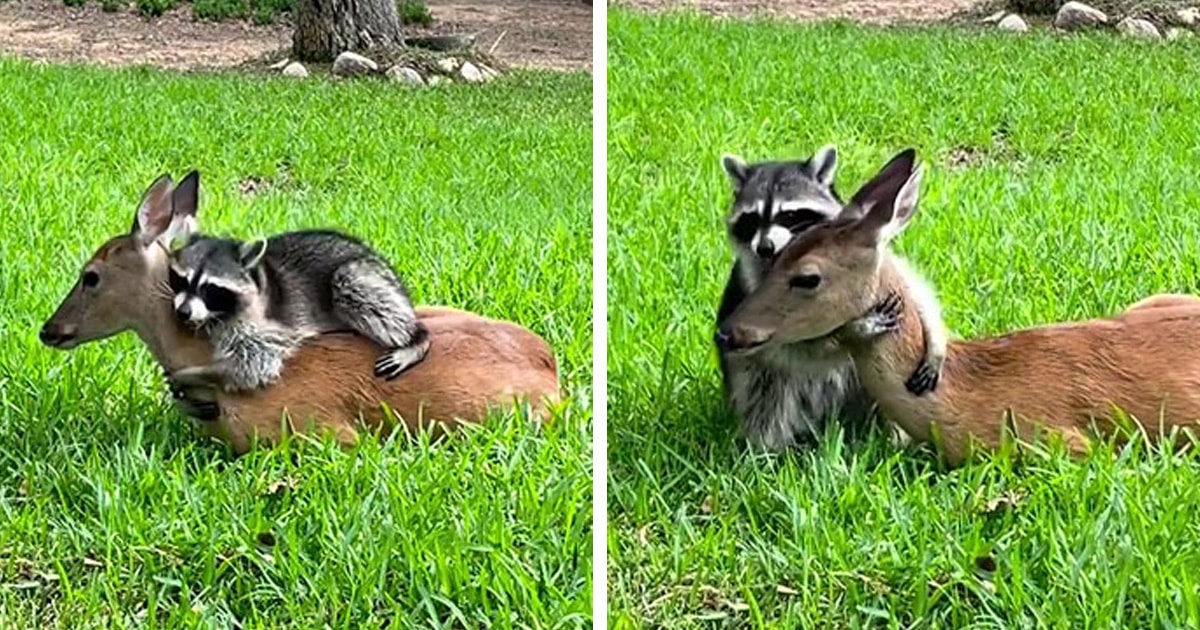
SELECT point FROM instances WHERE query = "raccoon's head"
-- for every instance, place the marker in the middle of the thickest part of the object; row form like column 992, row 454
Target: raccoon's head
column 215, row 279
column 775, row 200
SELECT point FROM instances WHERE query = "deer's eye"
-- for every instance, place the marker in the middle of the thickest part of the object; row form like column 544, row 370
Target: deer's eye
column 90, row 279
column 178, row 282
column 805, row 281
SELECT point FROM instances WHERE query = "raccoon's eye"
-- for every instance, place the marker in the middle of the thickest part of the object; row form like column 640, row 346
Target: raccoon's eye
column 90, row 279
column 797, row 219
column 805, row 281
column 744, row 227
column 178, row 282
column 218, row 299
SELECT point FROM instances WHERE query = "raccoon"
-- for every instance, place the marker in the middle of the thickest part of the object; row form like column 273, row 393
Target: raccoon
column 259, row 300
column 785, row 396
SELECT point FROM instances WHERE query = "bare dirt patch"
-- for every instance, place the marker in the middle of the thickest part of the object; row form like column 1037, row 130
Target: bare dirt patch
column 554, row 34
column 867, row 11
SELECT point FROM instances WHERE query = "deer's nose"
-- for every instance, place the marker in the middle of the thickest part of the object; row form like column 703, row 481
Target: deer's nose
column 730, row 339
column 54, row 335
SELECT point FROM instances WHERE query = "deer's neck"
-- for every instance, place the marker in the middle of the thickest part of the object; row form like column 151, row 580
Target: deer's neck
column 885, row 363
column 172, row 344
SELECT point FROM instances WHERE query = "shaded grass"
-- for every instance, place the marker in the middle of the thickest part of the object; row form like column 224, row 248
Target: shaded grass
column 113, row 515
column 1057, row 188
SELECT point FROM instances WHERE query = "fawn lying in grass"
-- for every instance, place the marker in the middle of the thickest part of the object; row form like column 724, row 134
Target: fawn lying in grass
column 1074, row 380
column 475, row 364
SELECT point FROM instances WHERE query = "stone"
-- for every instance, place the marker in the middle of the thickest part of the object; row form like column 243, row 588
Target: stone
column 994, row 18
column 404, row 74
column 1174, row 33
column 350, row 64
column 447, row 65
column 488, row 72
column 1076, row 16
column 471, row 73
column 295, row 70
column 1013, row 23
column 1187, row 17
column 438, row 79
column 279, row 65
column 1138, row 29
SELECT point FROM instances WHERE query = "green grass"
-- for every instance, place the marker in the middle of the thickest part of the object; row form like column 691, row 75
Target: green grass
column 1080, row 197
column 112, row 514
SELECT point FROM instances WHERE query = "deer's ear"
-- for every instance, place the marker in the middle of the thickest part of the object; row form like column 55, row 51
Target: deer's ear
column 185, row 201
column 887, row 202
column 154, row 213
column 823, row 165
column 737, row 170
column 251, row 253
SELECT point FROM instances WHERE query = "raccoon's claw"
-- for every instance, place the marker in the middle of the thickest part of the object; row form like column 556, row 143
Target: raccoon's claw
column 886, row 313
column 883, row 318
column 923, row 380
column 204, row 411
column 392, row 365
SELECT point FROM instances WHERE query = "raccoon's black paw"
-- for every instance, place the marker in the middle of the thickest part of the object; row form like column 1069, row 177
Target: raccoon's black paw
column 923, row 380
column 886, row 313
column 205, row 411
column 393, row 364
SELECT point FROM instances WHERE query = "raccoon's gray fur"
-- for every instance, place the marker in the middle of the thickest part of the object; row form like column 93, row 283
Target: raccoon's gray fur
column 259, row 300
column 785, row 395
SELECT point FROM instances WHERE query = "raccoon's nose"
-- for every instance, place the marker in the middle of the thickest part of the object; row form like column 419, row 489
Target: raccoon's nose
column 184, row 311
column 765, row 249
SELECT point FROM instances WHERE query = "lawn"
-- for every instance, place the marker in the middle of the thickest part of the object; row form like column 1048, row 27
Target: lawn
column 112, row 513
column 1060, row 184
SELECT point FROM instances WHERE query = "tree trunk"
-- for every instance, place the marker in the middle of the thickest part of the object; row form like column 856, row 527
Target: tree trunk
column 325, row 28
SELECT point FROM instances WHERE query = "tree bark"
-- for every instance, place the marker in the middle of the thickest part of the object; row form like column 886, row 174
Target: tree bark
column 325, row 28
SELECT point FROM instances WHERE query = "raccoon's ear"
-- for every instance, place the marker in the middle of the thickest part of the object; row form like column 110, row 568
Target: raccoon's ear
column 250, row 253
column 824, row 164
column 154, row 213
column 184, row 204
column 737, row 170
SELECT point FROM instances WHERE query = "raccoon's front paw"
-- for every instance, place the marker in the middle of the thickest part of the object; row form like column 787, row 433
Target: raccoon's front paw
column 883, row 318
column 393, row 363
column 923, row 380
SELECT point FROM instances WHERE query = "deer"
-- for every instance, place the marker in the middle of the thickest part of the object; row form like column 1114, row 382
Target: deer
column 476, row 365
column 1078, row 382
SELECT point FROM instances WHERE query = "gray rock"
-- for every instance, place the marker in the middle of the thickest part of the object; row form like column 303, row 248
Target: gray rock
column 295, row 70
column 471, row 73
column 447, row 65
column 1075, row 16
column 1187, row 17
column 488, row 72
column 994, row 18
column 1174, row 33
column 1013, row 23
column 404, row 74
column 438, row 79
column 1139, row 29
column 350, row 64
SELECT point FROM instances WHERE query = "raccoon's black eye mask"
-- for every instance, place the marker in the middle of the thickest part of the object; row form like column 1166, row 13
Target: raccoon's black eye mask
column 745, row 226
column 218, row 299
column 798, row 219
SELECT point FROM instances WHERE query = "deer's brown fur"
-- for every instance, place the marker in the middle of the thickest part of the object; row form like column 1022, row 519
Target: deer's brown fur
column 1066, row 379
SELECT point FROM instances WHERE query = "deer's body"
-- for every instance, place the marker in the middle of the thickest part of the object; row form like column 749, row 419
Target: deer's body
column 474, row 364
column 1070, row 379
column 1065, row 378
